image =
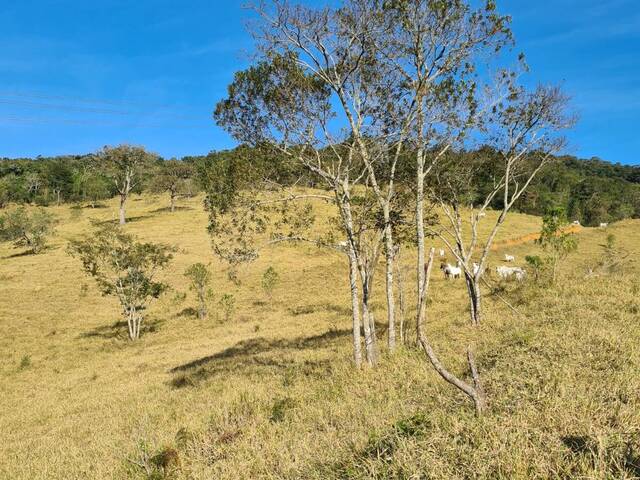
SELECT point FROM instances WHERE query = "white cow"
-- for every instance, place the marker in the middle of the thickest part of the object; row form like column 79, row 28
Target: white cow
column 576, row 222
column 604, row 225
column 505, row 273
column 450, row 271
column 509, row 258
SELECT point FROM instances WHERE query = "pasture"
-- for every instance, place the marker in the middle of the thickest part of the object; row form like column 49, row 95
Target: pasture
column 271, row 391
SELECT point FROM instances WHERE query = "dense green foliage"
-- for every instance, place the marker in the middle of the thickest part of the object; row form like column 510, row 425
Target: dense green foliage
column 591, row 191
column 124, row 268
column 27, row 229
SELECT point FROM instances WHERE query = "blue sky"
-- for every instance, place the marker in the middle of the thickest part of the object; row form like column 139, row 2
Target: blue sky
column 77, row 75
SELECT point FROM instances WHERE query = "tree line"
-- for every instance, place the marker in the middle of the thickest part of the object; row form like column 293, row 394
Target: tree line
column 590, row 191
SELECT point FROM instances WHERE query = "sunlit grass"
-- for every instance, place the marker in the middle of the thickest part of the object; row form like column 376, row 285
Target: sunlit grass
column 272, row 394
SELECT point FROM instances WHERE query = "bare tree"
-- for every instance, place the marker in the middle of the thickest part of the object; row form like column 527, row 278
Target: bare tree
column 125, row 165
column 523, row 132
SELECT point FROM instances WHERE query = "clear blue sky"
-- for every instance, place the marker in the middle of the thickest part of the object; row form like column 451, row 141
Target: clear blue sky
column 77, row 75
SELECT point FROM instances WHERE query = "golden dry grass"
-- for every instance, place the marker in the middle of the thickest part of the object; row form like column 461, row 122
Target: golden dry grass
column 272, row 394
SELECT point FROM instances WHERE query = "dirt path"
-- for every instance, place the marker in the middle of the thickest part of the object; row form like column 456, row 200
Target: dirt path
column 530, row 238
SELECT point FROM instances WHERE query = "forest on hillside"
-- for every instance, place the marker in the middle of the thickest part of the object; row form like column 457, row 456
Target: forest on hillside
column 591, row 191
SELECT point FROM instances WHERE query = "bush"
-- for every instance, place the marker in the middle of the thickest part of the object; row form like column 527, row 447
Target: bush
column 270, row 279
column 228, row 306
column 200, row 279
column 26, row 229
column 124, row 268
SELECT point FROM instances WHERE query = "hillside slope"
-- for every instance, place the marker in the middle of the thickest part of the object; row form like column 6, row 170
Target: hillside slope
column 271, row 393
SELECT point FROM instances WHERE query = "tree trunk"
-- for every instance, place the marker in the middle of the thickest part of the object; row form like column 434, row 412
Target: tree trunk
column 355, row 307
column 369, row 329
column 173, row 202
column 391, row 304
column 475, row 392
column 123, row 219
column 473, row 288
column 420, row 272
column 400, row 286
column 202, row 305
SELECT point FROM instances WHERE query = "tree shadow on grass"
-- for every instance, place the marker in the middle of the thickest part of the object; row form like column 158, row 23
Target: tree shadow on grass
column 168, row 209
column 248, row 355
column 115, row 221
column 118, row 330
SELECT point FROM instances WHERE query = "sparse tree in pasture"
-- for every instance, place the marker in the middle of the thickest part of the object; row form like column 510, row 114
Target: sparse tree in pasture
column 200, row 282
column 28, row 229
column 435, row 49
column 125, row 166
column 286, row 101
column 173, row 176
column 125, row 268
column 554, row 240
column 524, row 129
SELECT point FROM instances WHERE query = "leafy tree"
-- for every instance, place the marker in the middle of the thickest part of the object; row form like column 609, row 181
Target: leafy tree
column 27, row 229
column 124, row 268
column 200, row 281
column 59, row 178
column 554, row 240
column 126, row 167
column 173, row 176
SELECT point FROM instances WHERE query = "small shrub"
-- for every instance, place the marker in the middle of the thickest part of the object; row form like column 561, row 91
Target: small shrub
column 199, row 281
column 228, row 306
column 270, row 280
column 25, row 362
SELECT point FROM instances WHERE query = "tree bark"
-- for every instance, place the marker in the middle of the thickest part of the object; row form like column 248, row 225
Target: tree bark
column 355, row 308
column 475, row 300
column 123, row 219
column 400, row 286
column 391, row 305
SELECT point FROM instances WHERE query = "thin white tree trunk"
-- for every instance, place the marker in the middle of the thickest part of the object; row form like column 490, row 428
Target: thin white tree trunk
column 123, row 219
column 355, row 308
column 391, row 306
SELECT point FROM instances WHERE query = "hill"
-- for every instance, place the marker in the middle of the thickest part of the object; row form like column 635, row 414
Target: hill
column 271, row 391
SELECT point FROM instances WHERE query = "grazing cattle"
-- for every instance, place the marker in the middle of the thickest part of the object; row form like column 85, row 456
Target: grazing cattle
column 441, row 252
column 450, row 271
column 576, row 222
column 482, row 214
column 505, row 273
column 604, row 225
column 509, row 258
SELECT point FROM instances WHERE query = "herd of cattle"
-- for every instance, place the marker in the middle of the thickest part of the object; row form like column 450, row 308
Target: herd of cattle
column 504, row 272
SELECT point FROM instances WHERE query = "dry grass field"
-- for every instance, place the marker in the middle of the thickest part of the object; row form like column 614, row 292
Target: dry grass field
column 271, row 393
